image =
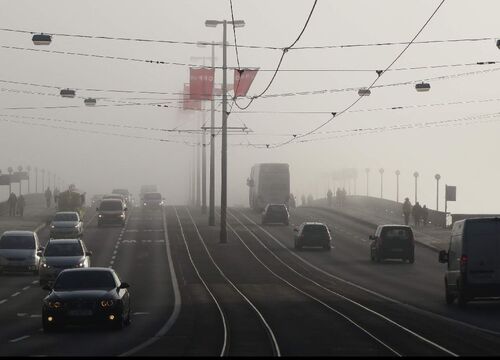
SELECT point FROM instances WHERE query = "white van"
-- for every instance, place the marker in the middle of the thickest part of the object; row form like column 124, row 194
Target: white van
column 473, row 259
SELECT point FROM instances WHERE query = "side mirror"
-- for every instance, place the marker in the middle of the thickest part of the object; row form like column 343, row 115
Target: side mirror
column 46, row 287
column 88, row 253
column 443, row 256
column 124, row 285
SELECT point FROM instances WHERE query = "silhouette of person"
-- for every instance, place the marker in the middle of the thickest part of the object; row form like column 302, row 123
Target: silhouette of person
column 407, row 207
column 12, row 204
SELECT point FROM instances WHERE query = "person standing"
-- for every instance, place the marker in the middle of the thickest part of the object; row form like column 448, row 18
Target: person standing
column 48, row 196
column 20, row 205
column 407, row 207
column 417, row 213
column 425, row 215
column 12, row 204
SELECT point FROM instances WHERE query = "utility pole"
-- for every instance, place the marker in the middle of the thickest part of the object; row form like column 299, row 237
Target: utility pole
column 204, row 168
column 211, row 210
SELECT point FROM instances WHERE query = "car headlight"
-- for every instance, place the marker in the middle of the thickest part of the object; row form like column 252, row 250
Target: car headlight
column 145, row 204
column 80, row 265
column 122, row 215
column 52, row 227
column 54, row 304
column 107, row 303
column 100, row 215
column 45, row 266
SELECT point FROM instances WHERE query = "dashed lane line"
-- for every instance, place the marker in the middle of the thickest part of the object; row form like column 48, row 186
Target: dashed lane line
column 3, row 301
column 15, row 294
column 19, row 338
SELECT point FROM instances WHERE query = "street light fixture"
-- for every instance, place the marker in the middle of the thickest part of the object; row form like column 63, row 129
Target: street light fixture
column 397, row 184
column 223, row 203
column 422, row 87
column 381, row 171
column 42, row 39
column 67, row 93
column 90, row 101
column 437, row 177
column 415, row 174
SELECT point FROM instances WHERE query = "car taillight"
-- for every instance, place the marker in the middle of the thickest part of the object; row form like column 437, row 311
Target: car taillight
column 463, row 262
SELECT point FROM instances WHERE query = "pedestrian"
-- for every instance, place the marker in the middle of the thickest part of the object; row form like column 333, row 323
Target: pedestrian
column 417, row 213
column 48, row 196
column 407, row 210
column 329, row 196
column 303, row 199
column 12, row 204
column 20, row 205
column 425, row 215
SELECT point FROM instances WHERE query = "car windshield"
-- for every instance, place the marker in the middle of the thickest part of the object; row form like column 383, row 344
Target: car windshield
column 276, row 209
column 315, row 229
column 17, row 242
column 84, row 280
column 110, row 205
column 152, row 196
column 120, row 191
column 66, row 217
column 396, row 233
column 64, row 249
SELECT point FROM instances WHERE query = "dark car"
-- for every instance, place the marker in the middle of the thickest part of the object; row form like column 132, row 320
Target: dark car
column 86, row 296
column 275, row 213
column 152, row 201
column 312, row 234
column 393, row 242
column 66, row 225
column 111, row 211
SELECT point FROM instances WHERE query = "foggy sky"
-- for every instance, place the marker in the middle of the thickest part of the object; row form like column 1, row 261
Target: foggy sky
column 463, row 153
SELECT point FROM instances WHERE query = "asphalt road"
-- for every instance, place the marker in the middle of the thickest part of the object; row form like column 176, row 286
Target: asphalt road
column 254, row 295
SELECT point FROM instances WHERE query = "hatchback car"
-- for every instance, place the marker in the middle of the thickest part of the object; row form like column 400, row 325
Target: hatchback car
column 86, row 296
column 62, row 254
column 66, row 225
column 312, row 234
column 275, row 213
column 20, row 251
column 111, row 211
column 393, row 242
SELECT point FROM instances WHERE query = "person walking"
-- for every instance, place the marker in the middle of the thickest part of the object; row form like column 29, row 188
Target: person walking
column 407, row 207
column 48, row 196
column 425, row 215
column 417, row 213
column 12, row 204
column 329, row 197
column 21, row 203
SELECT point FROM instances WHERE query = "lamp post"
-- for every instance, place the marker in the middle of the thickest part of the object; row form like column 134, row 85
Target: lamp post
column 36, row 179
column 367, row 175
column 43, row 180
column 381, row 171
column 48, row 178
column 397, row 184
column 415, row 174
column 437, row 177
column 19, row 169
column 10, row 170
column 29, row 176
column 223, row 201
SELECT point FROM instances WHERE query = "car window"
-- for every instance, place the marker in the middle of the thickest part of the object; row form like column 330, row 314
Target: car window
column 276, row 209
column 111, row 205
column 395, row 233
column 315, row 229
column 17, row 242
column 63, row 249
column 66, row 217
column 84, row 280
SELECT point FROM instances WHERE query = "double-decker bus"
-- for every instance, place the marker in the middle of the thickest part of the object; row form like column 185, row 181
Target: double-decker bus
column 268, row 184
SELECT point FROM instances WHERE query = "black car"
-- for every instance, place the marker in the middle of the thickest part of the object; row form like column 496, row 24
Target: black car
column 86, row 296
column 275, row 213
column 111, row 211
column 393, row 242
column 312, row 234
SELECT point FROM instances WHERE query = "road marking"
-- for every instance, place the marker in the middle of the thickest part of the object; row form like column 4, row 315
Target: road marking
column 141, row 313
column 15, row 294
column 19, row 338
column 35, row 282
column 36, row 316
column 22, row 314
column 26, row 288
column 3, row 301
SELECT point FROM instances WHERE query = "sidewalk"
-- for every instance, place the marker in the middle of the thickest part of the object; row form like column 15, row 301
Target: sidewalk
column 432, row 236
column 36, row 215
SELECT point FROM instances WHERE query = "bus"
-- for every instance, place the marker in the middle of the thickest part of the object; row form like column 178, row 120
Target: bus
column 268, row 184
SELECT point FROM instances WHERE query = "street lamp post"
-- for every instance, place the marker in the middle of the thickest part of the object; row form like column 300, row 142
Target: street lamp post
column 43, row 180
column 415, row 174
column 48, row 178
column 36, row 179
column 10, row 170
column 381, row 171
column 29, row 177
column 20, row 168
column 437, row 177
column 367, row 176
column 223, row 202
column 397, row 185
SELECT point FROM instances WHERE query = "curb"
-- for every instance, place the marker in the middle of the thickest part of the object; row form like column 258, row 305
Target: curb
column 366, row 223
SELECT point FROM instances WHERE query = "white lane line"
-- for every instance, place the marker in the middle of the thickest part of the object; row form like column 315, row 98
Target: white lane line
column 22, row 314
column 114, row 252
column 141, row 313
column 3, row 301
column 26, row 288
column 19, row 338
column 15, row 294
column 36, row 316
column 113, row 257
column 35, row 282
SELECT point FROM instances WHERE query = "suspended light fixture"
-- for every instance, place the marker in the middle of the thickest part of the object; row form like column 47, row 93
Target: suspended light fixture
column 42, row 39
column 67, row 93
column 423, row 87
column 90, row 101
column 364, row 92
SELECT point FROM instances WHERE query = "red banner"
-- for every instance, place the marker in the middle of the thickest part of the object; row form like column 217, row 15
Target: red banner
column 188, row 104
column 243, row 82
column 218, row 89
column 202, row 83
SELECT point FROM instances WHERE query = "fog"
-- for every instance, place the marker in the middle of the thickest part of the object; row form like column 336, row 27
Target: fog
column 96, row 149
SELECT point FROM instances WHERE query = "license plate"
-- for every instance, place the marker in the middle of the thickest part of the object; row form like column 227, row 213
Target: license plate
column 81, row 312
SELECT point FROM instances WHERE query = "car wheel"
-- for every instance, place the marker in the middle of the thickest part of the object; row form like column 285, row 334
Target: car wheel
column 378, row 258
column 448, row 296
column 327, row 247
column 411, row 260
column 35, row 272
column 119, row 324
column 128, row 321
column 48, row 327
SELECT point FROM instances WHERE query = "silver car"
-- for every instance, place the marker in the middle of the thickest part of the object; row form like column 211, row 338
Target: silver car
column 60, row 254
column 19, row 251
column 66, row 225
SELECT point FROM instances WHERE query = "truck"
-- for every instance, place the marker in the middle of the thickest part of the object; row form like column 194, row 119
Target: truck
column 269, row 184
column 71, row 200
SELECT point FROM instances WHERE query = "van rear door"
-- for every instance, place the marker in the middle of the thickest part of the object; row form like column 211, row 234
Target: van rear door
column 482, row 247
